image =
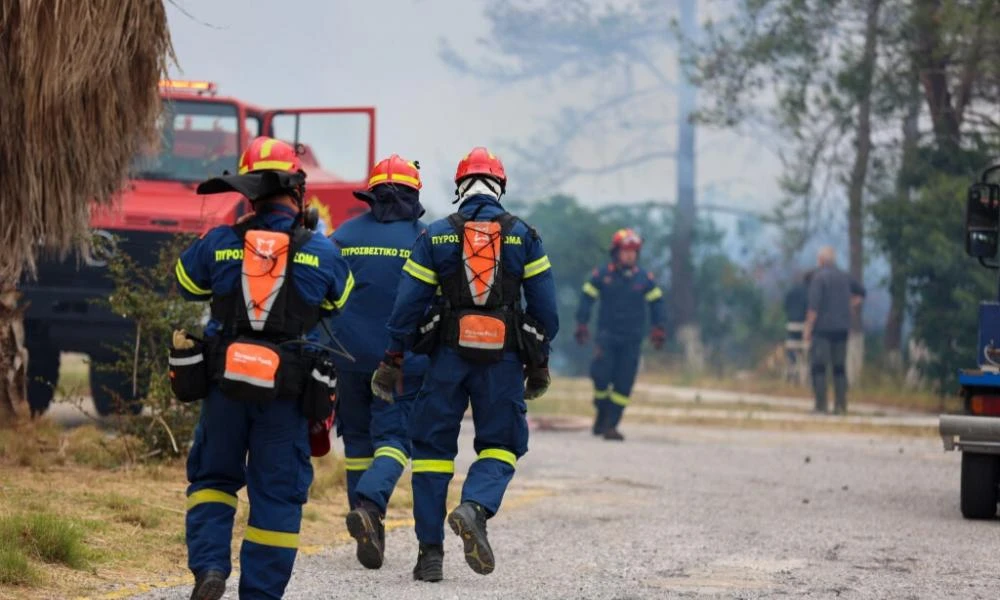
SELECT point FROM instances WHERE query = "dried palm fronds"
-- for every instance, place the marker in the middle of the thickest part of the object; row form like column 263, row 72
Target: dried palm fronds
column 78, row 97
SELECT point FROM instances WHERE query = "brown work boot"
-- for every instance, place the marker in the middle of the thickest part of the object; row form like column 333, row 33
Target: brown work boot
column 365, row 525
column 468, row 521
column 210, row 585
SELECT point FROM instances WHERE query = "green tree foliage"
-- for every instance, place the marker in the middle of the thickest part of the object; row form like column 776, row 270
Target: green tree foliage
column 892, row 103
column 732, row 312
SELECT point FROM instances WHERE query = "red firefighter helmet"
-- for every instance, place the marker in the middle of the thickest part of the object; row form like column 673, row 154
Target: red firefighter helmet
column 267, row 167
column 396, row 169
column 625, row 239
column 269, row 154
column 481, row 161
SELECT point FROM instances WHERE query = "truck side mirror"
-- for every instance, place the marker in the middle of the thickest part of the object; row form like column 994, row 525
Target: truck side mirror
column 982, row 220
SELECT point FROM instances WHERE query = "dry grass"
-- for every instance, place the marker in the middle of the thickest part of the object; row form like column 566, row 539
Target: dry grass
column 874, row 389
column 130, row 520
column 80, row 99
column 571, row 396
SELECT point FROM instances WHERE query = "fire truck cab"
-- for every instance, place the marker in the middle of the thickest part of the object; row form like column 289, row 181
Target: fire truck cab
column 202, row 134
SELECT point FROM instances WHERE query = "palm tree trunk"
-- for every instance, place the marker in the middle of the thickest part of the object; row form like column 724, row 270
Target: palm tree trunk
column 13, row 357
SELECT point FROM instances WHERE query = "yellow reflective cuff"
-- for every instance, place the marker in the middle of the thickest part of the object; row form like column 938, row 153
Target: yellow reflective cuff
column 654, row 294
column 602, row 394
column 499, row 454
column 420, row 272
column 433, row 466
column 393, row 453
column 536, row 267
column 348, row 286
column 206, row 496
column 358, row 464
column 591, row 290
column 619, row 399
column 276, row 539
column 187, row 283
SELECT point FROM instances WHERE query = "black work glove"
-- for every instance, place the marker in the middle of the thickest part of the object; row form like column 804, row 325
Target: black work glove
column 388, row 378
column 537, row 381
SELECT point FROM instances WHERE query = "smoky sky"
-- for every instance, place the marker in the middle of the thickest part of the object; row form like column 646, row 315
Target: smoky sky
column 385, row 54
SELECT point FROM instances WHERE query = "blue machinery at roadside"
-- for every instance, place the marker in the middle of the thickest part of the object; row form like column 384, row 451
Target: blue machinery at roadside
column 976, row 433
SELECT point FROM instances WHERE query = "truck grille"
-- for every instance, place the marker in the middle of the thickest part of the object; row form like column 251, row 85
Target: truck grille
column 143, row 246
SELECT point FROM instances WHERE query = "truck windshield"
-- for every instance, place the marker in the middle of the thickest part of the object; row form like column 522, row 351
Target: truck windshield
column 198, row 139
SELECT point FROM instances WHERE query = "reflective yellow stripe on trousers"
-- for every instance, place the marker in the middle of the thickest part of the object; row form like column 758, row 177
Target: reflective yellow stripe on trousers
column 424, row 465
column 276, row 539
column 358, row 464
column 619, row 399
column 499, row 454
column 393, row 453
column 206, row 496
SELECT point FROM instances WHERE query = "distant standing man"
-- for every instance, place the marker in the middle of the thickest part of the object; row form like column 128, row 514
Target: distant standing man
column 833, row 294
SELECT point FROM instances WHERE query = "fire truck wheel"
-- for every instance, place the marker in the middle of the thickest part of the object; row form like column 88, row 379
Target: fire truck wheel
column 980, row 478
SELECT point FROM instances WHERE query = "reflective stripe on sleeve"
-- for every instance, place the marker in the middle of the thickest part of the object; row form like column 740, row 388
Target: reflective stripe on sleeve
column 536, row 267
column 187, row 283
column 420, row 272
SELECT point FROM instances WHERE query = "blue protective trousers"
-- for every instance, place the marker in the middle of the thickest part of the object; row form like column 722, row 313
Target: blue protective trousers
column 616, row 362
column 496, row 393
column 264, row 446
column 376, row 441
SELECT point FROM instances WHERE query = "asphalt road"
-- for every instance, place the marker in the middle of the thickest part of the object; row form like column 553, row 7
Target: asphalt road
column 696, row 512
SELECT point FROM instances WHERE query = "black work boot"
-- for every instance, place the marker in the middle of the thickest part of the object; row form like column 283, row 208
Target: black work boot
column 210, row 585
column 614, row 435
column 599, row 419
column 365, row 525
column 468, row 521
column 429, row 563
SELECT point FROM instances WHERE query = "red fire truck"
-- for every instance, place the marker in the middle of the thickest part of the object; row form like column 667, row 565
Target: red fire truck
column 201, row 134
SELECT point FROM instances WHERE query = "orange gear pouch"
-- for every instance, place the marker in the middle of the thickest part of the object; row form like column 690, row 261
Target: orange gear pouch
column 252, row 371
column 481, row 336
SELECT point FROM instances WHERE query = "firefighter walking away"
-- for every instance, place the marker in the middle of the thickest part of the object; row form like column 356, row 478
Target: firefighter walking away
column 376, row 244
column 486, row 348
column 269, row 280
column 623, row 291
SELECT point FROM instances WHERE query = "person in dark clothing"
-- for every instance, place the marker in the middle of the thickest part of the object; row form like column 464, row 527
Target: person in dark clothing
column 269, row 280
column 833, row 294
column 624, row 290
column 491, row 270
column 376, row 244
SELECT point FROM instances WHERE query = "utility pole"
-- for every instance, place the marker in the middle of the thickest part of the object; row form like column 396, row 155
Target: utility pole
column 682, row 294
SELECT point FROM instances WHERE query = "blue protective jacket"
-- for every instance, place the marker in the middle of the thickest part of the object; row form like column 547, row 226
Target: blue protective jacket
column 438, row 253
column 624, row 294
column 213, row 265
column 376, row 252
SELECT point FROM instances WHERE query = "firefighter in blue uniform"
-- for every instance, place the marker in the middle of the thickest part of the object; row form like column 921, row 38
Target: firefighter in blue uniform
column 484, row 349
column 376, row 442
column 624, row 290
column 258, row 438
